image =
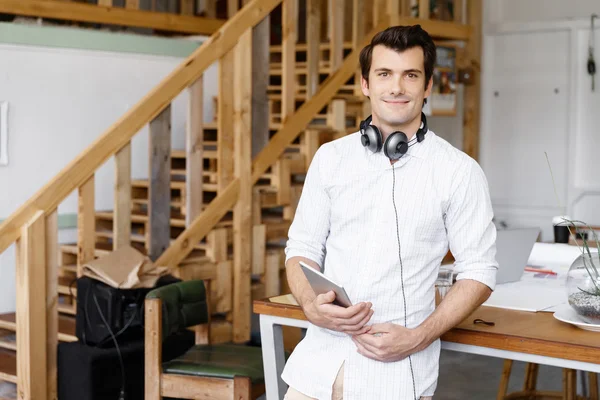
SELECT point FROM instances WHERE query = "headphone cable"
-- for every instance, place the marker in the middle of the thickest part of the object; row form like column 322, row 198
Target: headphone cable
column 402, row 273
column 123, row 381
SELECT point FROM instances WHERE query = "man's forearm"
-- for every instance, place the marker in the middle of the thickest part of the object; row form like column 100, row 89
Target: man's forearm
column 297, row 281
column 464, row 297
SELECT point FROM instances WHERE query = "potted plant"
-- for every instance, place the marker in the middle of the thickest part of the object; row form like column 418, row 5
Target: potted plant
column 583, row 278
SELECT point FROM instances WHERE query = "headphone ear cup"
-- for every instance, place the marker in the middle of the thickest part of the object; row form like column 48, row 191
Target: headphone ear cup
column 371, row 138
column 396, row 145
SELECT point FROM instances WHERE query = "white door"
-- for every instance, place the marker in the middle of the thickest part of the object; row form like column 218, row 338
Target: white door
column 525, row 114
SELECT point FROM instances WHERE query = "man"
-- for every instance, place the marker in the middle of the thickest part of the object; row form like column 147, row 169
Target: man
column 377, row 215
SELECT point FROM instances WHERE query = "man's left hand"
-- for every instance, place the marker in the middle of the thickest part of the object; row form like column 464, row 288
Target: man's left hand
column 389, row 342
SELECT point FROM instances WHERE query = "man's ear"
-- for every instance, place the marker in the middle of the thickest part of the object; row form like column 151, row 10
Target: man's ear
column 364, row 85
column 429, row 87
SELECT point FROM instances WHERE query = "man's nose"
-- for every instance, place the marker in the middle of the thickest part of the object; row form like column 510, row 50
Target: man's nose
column 397, row 86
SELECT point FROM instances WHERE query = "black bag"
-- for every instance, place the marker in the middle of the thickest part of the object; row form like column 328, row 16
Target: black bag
column 104, row 311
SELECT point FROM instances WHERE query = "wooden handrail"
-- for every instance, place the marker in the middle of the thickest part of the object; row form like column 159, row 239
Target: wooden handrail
column 112, row 15
column 121, row 132
column 292, row 126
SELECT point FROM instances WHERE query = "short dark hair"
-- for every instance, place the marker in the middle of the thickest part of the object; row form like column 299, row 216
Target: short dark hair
column 400, row 38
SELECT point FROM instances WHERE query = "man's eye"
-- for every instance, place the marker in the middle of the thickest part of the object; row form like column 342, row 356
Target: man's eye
column 383, row 74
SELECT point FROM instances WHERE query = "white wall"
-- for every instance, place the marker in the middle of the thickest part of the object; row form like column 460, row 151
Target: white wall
column 536, row 98
column 503, row 11
column 60, row 100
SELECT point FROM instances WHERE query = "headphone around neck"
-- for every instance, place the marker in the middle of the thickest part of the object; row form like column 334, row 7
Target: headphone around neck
column 397, row 143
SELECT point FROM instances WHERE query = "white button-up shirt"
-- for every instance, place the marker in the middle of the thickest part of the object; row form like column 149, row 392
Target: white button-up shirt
column 345, row 222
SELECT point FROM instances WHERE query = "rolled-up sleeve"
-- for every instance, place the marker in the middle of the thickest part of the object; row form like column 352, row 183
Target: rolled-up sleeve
column 309, row 230
column 471, row 231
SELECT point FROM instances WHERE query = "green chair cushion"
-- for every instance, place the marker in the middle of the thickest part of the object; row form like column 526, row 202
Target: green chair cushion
column 219, row 361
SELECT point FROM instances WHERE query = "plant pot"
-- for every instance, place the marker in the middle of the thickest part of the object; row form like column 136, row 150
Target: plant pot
column 583, row 287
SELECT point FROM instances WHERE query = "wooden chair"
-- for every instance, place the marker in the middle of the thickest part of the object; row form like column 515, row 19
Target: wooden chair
column 225, row 371
column 530, row 391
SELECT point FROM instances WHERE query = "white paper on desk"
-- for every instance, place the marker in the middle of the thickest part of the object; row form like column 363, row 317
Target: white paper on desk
column 531, row 293
column 556, row 256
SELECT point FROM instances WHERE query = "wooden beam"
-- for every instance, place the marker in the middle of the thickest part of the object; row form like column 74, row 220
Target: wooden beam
column 159, row 190
column 459, row 11
column 225, row 123
column 338, row 117
column 379, row 11
column 186, row 7
column 289, row 14
column 242, row 213
column 225, row 111
column 222, row 290
column 393, row 9
column 405, row 8
column 194, row 165
column 99, row 14
column 313, row 39
column 217, row 208
column 260, row 82
column 86, row 225
column 153, row 348
column 52, row 302
column 210, row 8
column 358, row 32
column 336, row 49
column 122, row 219
column 132, row 4
column 423, row 9
column 32, row 363
column 471, row 121
column 121, row 132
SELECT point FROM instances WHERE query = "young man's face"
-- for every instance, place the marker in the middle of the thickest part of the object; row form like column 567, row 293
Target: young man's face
column 396, row 86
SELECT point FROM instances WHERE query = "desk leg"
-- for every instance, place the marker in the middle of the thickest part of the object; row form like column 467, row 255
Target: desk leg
column 271, row 337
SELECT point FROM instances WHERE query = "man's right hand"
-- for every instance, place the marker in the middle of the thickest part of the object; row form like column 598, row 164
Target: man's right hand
column 351, row 320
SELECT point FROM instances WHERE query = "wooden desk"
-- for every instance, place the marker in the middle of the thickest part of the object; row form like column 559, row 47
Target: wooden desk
column 517, row 335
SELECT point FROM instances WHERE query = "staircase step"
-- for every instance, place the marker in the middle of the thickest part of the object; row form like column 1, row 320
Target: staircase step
column 175, row 184
column 72, row 249
column 176, row 220
column 277, row 48
column 67, row 285
column 8, row 366
column 137, row 238
column 66, row 326
column 275, row 68
column 8, row 340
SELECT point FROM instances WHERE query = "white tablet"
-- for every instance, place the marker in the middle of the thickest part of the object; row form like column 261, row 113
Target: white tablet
column 322, row 284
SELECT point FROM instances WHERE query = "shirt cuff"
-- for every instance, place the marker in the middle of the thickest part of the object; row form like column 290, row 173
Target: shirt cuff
column 316, row 257
column 481, row 273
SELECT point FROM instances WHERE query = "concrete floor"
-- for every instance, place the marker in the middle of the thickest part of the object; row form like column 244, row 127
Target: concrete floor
column 462, row 377
column 473, row 377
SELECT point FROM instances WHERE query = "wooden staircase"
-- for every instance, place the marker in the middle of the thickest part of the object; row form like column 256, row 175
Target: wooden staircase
column 228, row 215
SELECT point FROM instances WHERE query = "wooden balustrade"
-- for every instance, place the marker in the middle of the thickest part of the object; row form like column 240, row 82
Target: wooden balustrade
column 105, row 13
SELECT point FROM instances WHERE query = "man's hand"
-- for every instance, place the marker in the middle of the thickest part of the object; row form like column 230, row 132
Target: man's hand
column 389, row 342
column 351, row 320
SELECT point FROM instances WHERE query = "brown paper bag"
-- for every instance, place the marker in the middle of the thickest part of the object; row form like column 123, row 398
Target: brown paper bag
column 125, row 268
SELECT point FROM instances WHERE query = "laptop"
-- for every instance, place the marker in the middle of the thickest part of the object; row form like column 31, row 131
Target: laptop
column 513, row 248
